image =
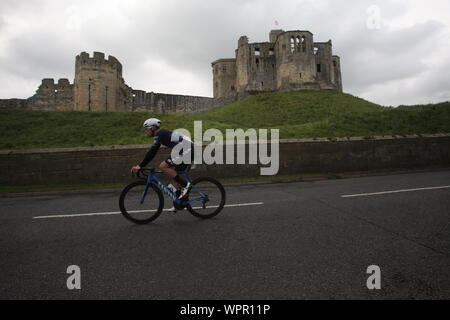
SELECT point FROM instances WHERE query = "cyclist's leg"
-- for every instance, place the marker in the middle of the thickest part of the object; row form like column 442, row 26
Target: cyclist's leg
column 170, row 172
column 170, row 169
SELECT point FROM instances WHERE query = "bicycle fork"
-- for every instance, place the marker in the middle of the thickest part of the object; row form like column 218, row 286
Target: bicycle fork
column 144, row 194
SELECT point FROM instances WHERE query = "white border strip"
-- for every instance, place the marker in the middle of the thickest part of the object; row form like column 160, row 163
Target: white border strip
column 394, row 191
column 137, row 211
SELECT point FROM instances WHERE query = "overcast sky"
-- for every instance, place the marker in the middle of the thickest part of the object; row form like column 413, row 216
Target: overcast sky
column 392, row 51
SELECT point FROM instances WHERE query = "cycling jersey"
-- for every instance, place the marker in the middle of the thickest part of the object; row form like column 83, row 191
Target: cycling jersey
column 163, row 137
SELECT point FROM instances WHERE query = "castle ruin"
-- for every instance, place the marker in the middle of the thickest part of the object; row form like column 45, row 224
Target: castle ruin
column 291, row 60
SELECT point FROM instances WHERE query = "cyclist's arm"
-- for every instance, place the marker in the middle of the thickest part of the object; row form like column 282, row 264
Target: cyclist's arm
column 151, row 153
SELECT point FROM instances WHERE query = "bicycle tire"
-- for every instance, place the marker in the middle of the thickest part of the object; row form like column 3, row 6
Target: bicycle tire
column 197, row 212
column 126, row 212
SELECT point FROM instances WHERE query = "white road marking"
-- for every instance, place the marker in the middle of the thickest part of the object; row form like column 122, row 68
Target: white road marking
column 394, row 191
column 137, row 211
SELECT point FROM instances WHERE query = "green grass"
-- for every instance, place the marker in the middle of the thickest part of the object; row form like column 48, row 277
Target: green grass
column 301, row 114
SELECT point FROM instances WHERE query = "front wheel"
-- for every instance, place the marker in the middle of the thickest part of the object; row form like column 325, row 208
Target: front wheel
column 209, row 198
column 140, row 205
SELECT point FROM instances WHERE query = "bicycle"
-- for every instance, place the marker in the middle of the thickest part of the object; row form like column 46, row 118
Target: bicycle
column 142, row 201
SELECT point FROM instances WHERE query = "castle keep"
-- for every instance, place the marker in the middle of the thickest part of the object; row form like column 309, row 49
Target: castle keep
column 291, row 60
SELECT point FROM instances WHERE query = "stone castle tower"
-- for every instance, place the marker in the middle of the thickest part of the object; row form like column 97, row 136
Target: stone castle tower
column 291, row 60
column 99, row 85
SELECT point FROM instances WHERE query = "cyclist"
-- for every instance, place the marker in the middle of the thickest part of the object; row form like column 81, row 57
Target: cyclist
column 169, row 139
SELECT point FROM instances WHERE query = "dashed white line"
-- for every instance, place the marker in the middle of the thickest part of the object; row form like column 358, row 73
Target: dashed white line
column 60, row 216
column 393, row 191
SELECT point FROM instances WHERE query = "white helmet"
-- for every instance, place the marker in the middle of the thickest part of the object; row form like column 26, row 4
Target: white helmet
column 152, row 122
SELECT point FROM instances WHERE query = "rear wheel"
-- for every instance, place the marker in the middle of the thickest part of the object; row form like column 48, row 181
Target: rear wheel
column 132, row 208
column 211, row 198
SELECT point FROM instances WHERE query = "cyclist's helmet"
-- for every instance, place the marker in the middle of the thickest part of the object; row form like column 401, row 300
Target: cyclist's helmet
column 152, row 122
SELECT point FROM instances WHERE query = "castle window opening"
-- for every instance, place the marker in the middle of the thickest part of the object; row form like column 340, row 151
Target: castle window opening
column 233, row 88
column 271, row 52
column 224, row 68
column 257, row 52
column 319, row 67
column 300, row 75
column 334, row 64
column 316, row 50
column 292, row 44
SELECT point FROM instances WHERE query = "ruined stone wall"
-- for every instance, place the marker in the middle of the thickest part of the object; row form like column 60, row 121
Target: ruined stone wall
column 53, row 96
column 273, row 35
column 324, row 64
column 291, row 60
column 170, row 103
column 262, row 76
column 13, row 103
column 243, row 57
column 337, row 76
column 296, row 67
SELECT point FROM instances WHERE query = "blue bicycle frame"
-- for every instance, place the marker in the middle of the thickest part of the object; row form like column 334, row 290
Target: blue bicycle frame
column 153, row 178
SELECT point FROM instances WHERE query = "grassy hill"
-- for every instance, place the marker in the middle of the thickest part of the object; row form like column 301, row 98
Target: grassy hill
column 302, row 114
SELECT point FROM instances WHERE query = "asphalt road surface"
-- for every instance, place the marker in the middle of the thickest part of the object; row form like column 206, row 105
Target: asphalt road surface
column 307, row 240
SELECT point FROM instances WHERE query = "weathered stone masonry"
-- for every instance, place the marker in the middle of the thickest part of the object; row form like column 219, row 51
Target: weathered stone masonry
column 291, row 60
column 99, row 86
column 111, row 164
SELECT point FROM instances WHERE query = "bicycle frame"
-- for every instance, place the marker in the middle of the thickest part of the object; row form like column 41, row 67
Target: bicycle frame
column 153, row 178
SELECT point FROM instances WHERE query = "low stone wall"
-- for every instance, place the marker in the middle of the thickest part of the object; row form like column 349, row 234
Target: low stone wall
column 13, row 103
column 112, row 164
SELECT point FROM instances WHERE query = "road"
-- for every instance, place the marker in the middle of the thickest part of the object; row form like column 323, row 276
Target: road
column 306, row 240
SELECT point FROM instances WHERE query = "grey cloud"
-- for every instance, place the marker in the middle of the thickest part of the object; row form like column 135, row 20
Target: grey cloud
column 46, row 55
column 383, row 55
column 188, row 36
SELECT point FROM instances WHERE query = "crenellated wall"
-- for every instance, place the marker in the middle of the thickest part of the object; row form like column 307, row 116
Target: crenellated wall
column 53, row 96
column 99, row 85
